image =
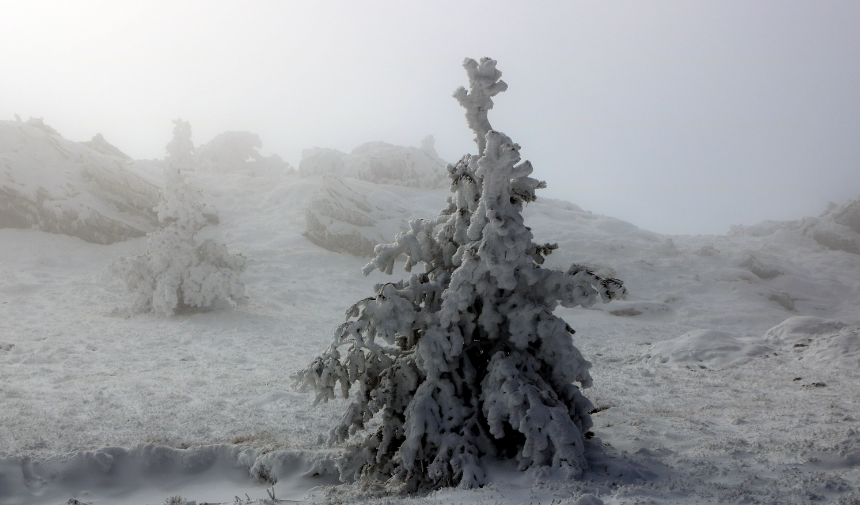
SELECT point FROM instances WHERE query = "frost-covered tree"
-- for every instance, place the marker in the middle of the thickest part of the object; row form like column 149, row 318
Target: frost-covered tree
column 180, row 150
column 178, row 272
column 465, row 359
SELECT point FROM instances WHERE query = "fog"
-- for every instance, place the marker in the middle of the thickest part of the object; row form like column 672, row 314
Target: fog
column 680, row 117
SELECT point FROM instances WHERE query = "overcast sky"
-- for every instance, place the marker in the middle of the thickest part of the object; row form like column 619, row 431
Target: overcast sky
column 680, row 117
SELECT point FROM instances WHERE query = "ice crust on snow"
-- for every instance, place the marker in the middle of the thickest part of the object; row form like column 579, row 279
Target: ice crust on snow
column 59, row 186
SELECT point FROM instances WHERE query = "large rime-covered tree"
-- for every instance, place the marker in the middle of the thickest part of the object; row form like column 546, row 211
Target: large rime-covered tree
column 465, row 359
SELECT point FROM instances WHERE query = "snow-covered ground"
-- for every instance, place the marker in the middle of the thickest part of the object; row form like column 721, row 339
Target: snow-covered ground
column 730, row 374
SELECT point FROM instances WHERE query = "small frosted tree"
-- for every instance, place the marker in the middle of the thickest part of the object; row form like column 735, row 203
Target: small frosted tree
column 178, row 273
column 180, row 150
column 465, row 359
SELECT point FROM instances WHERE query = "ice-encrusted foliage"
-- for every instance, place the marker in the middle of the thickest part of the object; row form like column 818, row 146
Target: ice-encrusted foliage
column 180, row 150
column 465, row 359
column 484, row 84
column 178, row 272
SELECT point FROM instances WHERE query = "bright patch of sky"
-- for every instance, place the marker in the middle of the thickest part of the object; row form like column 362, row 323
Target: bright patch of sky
column 680, row 117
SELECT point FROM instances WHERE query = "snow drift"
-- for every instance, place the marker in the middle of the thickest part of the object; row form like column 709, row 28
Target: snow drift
column 706, row 348
column 818, row 343
column 87, row 190
column 149, row 473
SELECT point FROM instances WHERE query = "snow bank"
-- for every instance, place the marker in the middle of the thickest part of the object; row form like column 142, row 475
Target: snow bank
column 706, row 347
column 351, row 216
column 815, row 342
column 818, row 343
column 150, row 473
column 381, row 163
column 59, row 186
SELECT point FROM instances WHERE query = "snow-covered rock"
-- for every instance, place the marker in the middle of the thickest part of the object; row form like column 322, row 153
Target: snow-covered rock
column 98, row 143
column 237, row 151
column 352, row 216
column 321, row 161
column 381, row 163
column 838, row 228
column 56, row 185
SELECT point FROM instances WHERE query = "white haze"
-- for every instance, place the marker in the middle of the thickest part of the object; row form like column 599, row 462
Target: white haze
column 681, row 117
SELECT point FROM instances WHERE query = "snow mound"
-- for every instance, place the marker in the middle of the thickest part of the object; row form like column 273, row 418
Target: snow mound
column 801, row 329
column 236, row 152
column 60, row 186
column 839, row 228
column 381, row 163
column 351, row 216
column 706, row 347
column 818, row 343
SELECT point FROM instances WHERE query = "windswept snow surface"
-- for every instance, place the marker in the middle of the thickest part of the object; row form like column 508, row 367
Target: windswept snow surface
column 729, row 375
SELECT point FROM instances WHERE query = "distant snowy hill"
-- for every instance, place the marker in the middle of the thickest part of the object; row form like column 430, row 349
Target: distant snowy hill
column 88, row 190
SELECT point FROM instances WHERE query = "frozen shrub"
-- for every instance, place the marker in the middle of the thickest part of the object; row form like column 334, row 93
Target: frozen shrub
column 464, row 359
column 177, row 272
column 180, row 150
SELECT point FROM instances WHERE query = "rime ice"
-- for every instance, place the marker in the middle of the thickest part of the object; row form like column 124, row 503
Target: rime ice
column 466, row 359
